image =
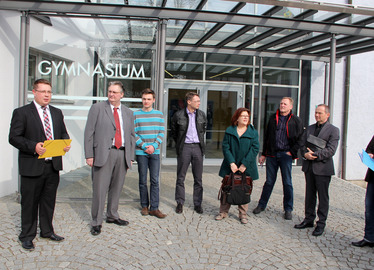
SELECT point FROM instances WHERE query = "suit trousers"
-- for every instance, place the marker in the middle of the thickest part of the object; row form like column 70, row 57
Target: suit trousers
column 108, row 179
column 191, row 154
column 38, row 196
column 316, row 185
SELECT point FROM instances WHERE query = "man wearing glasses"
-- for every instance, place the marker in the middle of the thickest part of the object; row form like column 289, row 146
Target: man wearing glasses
column 109, row 145
column 30, row 126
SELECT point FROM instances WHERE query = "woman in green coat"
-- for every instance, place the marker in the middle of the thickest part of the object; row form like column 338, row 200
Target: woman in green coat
column 240, row 147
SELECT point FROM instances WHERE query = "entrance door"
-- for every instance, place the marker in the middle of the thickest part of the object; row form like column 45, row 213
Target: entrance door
column 218, row 101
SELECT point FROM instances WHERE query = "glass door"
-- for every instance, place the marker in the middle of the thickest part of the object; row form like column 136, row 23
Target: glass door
column 218, row 101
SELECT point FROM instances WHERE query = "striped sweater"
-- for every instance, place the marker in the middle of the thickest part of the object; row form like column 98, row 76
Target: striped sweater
column 149, row 130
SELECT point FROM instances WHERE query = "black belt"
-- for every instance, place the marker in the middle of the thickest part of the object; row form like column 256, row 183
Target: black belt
column 121, row 148
column 193, row 143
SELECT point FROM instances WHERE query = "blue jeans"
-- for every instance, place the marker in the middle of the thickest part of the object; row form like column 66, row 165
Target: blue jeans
column 284, row 162
column 151, row 162
column 369, row 212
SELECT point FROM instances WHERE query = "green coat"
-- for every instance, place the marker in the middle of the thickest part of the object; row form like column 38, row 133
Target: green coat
column 241, row 150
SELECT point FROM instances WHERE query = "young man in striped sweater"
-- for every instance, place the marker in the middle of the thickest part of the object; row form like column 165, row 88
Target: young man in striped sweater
column 149, row 134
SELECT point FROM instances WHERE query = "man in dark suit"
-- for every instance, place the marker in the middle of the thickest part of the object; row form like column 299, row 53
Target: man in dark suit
column 318, row 167
column 30, row 126
column 369, row 204
column 109, row 145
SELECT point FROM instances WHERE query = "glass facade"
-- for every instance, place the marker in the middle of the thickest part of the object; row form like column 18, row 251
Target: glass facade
column 81, row 55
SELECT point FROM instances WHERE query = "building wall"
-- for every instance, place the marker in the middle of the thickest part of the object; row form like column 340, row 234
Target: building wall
column 9, row 48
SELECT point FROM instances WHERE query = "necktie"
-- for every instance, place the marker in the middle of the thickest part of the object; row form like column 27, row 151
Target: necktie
column 47, row 125
column 117, row 137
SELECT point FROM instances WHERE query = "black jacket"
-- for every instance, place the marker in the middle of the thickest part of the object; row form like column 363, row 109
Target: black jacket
column 26, row 130
column 179, row 126
column 295, row 131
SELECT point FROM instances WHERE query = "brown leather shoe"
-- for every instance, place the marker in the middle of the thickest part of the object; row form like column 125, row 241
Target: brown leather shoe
column 157, row 213
column 145, row 211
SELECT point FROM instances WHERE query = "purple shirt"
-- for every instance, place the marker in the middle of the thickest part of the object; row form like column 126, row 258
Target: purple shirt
column 191, row 136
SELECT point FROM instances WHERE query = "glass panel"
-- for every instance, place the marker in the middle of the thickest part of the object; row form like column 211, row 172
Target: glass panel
column 183, row 71
column 229, row 59
column 280, row 62
column 271, row 97
column 184, row 56
column 228, row 73
column 176, row 102
column 223, row 6
column 220, row 108
column 278, row 76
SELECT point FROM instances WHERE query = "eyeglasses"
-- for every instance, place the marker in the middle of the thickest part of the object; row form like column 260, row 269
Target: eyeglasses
column 44, row 92
column 244, row 116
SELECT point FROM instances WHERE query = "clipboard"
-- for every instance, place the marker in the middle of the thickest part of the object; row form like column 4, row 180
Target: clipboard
column 55, row 148
column 366, row 159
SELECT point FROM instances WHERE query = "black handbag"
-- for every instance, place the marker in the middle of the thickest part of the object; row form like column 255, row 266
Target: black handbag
column 236, row 188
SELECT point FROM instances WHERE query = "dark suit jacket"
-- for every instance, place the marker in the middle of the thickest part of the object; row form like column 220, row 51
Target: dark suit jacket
column 324, row 164
column 370, row 150
column 26, row 130
column 100, row 131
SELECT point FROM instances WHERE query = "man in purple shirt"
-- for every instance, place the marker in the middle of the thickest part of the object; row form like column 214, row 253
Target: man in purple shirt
column 188, row 128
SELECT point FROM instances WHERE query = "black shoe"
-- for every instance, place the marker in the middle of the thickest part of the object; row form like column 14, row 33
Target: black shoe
column 363, row 243
column 119, row 222
column 303, row 225
column 96, row 230
column 258, row 210
column 288, row 215
column 198, row 209
column 317, row 231
column 54, row 237
column 179, row 208
column 28, row 245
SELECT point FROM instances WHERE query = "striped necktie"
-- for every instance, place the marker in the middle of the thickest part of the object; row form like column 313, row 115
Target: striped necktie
column 47, row 124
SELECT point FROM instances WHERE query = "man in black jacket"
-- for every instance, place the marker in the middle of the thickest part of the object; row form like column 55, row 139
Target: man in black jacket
column 188, row 127
column 281, row 142
column 30, row 126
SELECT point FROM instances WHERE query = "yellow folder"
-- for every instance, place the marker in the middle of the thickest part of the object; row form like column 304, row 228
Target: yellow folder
column 55, row 148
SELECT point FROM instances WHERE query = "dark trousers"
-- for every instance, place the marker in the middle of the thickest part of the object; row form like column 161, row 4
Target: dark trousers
column 284, row 162
column 369, row 212
column 191, row 154
column 38, row 197
column 316, row 185
column 151, row 163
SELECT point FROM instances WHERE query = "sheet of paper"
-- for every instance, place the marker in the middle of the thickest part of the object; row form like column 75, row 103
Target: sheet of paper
column 55, row 148
column 367, row 160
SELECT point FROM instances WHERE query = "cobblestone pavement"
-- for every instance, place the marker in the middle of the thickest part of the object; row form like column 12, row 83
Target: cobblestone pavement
column 190, row 240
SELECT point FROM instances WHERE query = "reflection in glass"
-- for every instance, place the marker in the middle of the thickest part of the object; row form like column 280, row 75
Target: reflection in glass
column 221, row 105
column 176, row 102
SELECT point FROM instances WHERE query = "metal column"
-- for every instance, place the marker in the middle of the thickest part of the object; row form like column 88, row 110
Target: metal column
column 161, row 47
column 332, row 76
column 260, row 95
column 326, row 98
column 24, row 58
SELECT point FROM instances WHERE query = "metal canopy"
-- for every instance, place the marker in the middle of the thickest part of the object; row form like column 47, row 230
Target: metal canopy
column 269, row 28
